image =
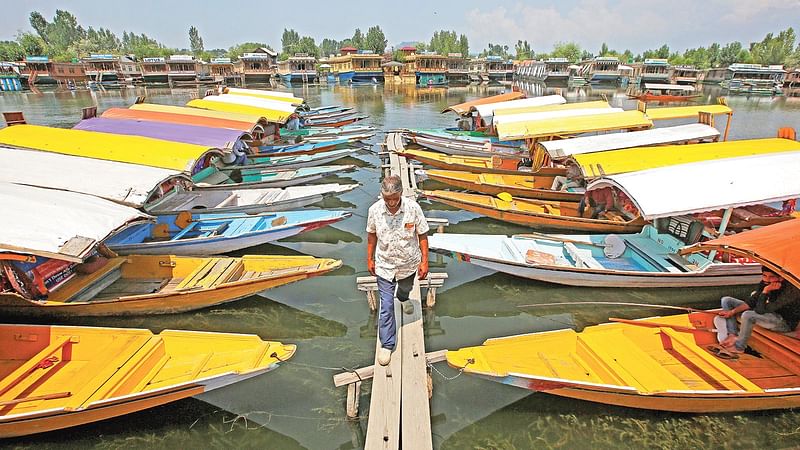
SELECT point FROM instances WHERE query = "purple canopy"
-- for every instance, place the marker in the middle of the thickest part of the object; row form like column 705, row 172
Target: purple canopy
column 221, row 138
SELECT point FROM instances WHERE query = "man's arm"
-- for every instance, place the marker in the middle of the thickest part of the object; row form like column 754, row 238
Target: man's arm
column 423, row 264
column 372, row 244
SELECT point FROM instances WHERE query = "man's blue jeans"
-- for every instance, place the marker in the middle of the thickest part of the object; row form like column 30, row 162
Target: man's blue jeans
column 387, row 330
column 749, row 319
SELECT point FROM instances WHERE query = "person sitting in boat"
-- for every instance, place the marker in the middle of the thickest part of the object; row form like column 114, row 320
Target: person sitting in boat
column 293, row 124
column 573, row 179
column 600, row 200
column 774, row 305
column 464, row 123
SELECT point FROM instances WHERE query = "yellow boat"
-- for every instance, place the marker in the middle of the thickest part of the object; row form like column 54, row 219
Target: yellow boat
column 111, row 147
column 549, row 108
column 263, row 94
column 253, row 120
column 526, row 186
column 536, row 213
column 270, row 114
column 568, row 126
column 476, row 164
column 140, row 284
column 56, row 377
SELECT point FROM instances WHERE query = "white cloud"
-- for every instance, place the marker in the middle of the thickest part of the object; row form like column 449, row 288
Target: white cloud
column 743, row 11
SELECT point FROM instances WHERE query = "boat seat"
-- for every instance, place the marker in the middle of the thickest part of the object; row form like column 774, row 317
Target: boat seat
column 582, row 258
column 211, row 272
column 83, row 287
column 652, row 253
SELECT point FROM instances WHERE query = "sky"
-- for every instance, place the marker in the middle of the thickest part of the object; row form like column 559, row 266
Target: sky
column 637, row 25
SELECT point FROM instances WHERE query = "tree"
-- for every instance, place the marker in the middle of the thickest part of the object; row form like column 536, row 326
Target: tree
column 11, row 51
column 604, row 49
column 237, row 50
column 463, row 46
column 569, row 50
column 523, row 50
column 357, row 40
column 195, row 41
column 62, row 33
column 39, row 23
column 307, row 45
column 329, row 47
column 495, row 50
column 375, row 40
column 31, row 44
column 713, row 55
column 730, row 53
column 774, row 49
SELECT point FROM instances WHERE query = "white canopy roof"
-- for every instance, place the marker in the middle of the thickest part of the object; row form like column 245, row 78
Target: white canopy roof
column 261, row 91
column 258, row 102
column 544, row 115
column 57, row 224
column 709, row 185
column 565, row 148
column 489, row 108
column 671, row 87
column 129, row 184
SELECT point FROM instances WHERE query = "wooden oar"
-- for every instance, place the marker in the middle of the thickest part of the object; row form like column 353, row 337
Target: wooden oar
column 35, row 398
column 646, row 305
column 643, row 323
column 547, row 237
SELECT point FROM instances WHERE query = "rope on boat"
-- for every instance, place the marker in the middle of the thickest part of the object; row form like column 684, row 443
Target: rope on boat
column 445, row 377
column 245, row 418
column 337, row 369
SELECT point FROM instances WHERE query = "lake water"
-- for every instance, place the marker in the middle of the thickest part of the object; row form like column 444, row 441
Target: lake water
column 296, row 406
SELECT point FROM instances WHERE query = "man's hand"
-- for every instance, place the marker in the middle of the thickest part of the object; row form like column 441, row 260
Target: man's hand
column 726, row 313
column 774, row 286
column 422, row 272
column 371, row 266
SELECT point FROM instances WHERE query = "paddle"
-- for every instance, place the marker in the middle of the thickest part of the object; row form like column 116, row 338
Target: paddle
column 646, row 305
column 613, row 247
column 659, row 325
column 35, row 398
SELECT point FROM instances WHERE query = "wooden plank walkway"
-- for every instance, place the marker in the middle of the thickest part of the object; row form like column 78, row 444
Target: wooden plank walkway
column 399, row 412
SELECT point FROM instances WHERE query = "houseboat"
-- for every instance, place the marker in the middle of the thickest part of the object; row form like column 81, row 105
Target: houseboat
column 426, row 69
column 182, row 68
column 478, row 71
column 655, row 70
column 357, row 66
column 9, row 77
column 258, row 66
column 154, row 70
column 300, row 68
column 528, row 69
column 684, row 75
column 792, row 78
column 457, row 68
column 602, row 69
column 222, row 70
column 36, row 70
column 714, row 75
column 754, row 79
column 551, row 71
column 102, row 68
column 69, row 74
column 130, row 70
column 499, row 69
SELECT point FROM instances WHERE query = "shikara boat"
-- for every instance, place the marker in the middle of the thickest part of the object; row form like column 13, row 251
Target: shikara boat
column 252, row 102
column 159, row 284
column 303, row 148
column 270, row 95
column 488, row 110
column 464, row 108
column 335, row 122
column 208, row 103
column 296, row 161
column 56, row 377
column 536, row 213
column 466, row 147
column 533, row 186
column 249, row 201
column 192, row 234
column 656, row 92
column 319, row 134
column 498, row 164
column 548, row 126
column 553, row 112
column 659, row 363
column 244, row 177
column 249, row 123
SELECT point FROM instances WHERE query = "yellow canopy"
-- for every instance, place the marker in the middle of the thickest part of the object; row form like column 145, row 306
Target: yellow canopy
column 255, row 119
column 270, row 114
column 263, row 94
column 683, row 112
column 642, row 158
column 111, row 147
column 464, row 108
column 562, row 107
column 562, row 126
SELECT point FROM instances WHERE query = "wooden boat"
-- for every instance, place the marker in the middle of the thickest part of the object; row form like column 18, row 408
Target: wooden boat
column 295, row 161
column 477, row 164
column 536, row 213
column 466, row 147
column 119, row 371
column 270, row 95
column 249, row 201
column 303, row 148
column 553, row 112
column 335, row 122
column 659, row 363
column 158, row 284
column 208, row 103
column 249, row 123
column 659, row 92
column 526, row 186
column 487, row 110
column 244, row 177
column 192, row 234
column 315, row 134
column 253, row 102
column 573, row 125
column 464, row 108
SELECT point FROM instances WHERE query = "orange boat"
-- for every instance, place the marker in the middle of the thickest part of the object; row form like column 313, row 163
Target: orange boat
column 183, row 119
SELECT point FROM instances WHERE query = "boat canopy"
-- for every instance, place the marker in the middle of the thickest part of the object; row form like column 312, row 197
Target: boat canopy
column 258, row 102
column 269, row 95
column 599, row 104
column 128, row 184
column 464, row 108
column 573, row 125
column 775, row 246
column 669, row 87
column 270, row 114
column 564, row 148
column 709, row 185
column 615, row 162
column 684, row 112
column 223, row 138
column 555, row 114
column 58, row 224
column 180, row 118
column 254, row 122
column 112, row 147
column 490, row 109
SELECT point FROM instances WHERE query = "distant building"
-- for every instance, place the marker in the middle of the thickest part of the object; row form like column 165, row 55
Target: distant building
column 257, row 66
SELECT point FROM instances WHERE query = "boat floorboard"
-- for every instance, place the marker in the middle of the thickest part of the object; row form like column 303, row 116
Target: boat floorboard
column 132, row 286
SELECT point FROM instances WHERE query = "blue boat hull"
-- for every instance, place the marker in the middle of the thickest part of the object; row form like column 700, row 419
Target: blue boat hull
column 361, row 77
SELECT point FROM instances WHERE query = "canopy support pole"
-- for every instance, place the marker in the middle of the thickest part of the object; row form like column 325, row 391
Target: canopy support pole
column 727, row 127
column 726, row 218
